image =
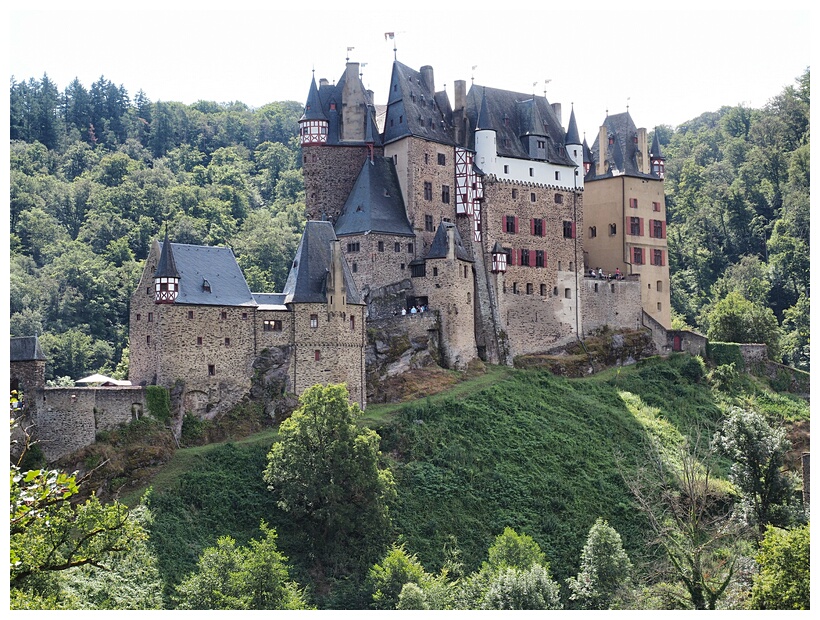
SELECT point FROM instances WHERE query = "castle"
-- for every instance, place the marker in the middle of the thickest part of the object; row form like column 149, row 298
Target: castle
column 485, row 212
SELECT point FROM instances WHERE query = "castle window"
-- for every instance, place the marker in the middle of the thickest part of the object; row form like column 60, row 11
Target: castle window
column 593, row 232
column 401, row 119
column 428, row 190
column 428, row 223
column 510, row 224
column 543, row 290
column 317, row 355
column 658, row 229
column 569, row 230
column 190, row 314
column 409, row 248
column 314, row 321
column 397, row 247
column 635, row 226
column 613, row 230
column 557, row 176
column 466, row 271
column 515, row 193
column 541, row 144
column 149, row 291
column 211, row 370
column 315, row 157
column 596, row 287
column 418, row 271
column 568, row 293
column 435, row 271
column 355, row 267
column 442, row 159
column 468, row 298
column 637, row 256
column 539, row 258
column 559, row 199
column 529, row 288
column 381, row 246
column 150, row 317
column 426, row 155
column 227, row 342
column 555, row 290
column 401, row 266
column 537, row 227
column 525, row 258
column 515, row 288
column 352, row 323
column 445, row 194
column 532, row 196
column 657, row 257
column 244, row 316
column 148, row 340
column 656, row 206
column 199, row 341
column 659, row 285
column 507, row 170
column 272, row 326
column 353, row 246
column 139, row 316
column 633, row 203
column 612, row 286
column 532, row 172
column 223, row 315
column 659, row 306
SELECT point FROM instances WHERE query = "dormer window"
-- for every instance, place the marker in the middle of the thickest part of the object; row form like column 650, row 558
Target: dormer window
column 206, row 286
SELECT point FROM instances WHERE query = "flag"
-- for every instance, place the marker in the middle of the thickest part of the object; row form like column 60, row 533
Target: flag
column 389, row 35
column 350, row 49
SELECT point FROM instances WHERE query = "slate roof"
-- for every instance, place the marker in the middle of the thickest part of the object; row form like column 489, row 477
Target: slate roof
column 199, row 265
column 440, row 245
column 26, row 349
column 313, row 107
column 514, row 115
column 270, row 301
column 414, row 110
column 307, row 280
column 655, row 151
column 166, row 267
column 572, row 136
column 375, row 204
column 622, row 154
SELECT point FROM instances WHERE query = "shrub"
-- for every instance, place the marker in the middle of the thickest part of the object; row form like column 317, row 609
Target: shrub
column 159, row 402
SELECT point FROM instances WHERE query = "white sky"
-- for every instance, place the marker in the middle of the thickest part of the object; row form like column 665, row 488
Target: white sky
column 668, row 66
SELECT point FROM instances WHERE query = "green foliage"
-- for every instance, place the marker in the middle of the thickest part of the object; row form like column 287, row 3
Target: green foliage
column 736, row 319
column 783, row 581
column 514, row 588
column 49, row 534
column 324, row 472
column 193, row 430
column 757, row 452
column 234, row 578
column 723, row 353
column 159, row 402
column 387, row 579
column 605, row 568
column 513, row 550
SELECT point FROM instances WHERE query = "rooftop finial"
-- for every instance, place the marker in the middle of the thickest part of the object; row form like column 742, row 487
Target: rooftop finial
column 391, row 36
column 349, row 49
column 472, row 77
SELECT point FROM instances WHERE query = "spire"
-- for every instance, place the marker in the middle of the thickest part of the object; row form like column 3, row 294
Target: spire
column 313, row 107
column 484, row 118
column 655, row 152
column 572, row 130
column 166, row 267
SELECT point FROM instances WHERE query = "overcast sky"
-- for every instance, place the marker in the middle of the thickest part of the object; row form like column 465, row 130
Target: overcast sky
column 668, row 66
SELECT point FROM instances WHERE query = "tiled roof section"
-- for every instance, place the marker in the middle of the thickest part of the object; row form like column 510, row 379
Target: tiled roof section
column 512, row 116
column 441, row 244
column 655, row 151
column 485, row 119
column 26, row 349
column 166, row 267
column 413, row 110
column 307, row 280
column 587, row 153
column 313, row 107
column 572, row 136
column 622, row 154
column 330, row 101
column 375, row 204
column 209, row 276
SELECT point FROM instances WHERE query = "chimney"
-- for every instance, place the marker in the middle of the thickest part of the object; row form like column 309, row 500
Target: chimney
column 603, row 149
column 643, row 147
column 427, row 78
column 335, row 288
column 556, row 107
column 323, row 82
column 451, row 242
column 370, row 97
column 459, row 95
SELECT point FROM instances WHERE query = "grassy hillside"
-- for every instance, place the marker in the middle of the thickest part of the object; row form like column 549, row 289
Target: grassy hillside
column 518, row 448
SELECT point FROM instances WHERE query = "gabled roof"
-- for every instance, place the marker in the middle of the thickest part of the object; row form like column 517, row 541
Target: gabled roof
column 209, row 276
column 326, row 96
column 414, row 110
column 375, row 204
column 622, row 154
column 26, row 349
column 513, row 115
column 441, row 243
column 307, row 280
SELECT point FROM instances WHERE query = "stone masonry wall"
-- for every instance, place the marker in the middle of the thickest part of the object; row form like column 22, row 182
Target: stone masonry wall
column 378, row 259
column 329, row 174
column 67, row 419
column 612, row 303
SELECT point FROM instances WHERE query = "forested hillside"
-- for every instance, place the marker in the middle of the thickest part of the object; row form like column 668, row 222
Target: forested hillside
column 96, row 174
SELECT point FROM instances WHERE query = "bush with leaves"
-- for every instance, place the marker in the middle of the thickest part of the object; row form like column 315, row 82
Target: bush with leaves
column 783, row 581
column 605, row 568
